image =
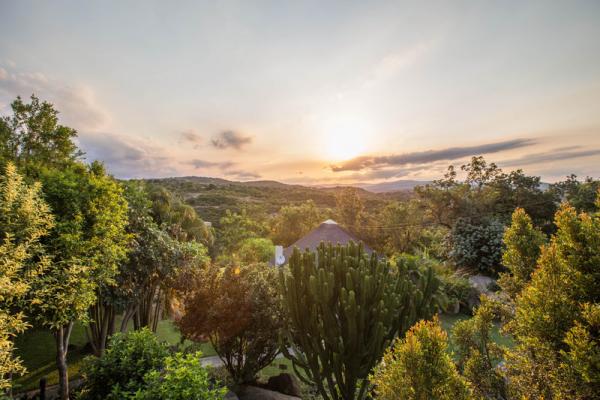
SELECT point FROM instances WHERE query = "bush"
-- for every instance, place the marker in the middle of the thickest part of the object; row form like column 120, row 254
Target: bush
column 238, row 310
column 477, row 246
column 122, row 368
column 183, row 378
column 419, row 367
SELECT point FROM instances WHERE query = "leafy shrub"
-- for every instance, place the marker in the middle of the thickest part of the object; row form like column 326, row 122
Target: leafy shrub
column 238, row 310
column 183, row 378
column 122, row 368
column 419, row 367
column 477, row 246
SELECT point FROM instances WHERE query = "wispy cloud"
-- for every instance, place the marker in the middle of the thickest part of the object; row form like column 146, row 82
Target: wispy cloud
column 190, row 136
column 198, row 164
column 231, row 139
column 565, row 153
column 423, row 157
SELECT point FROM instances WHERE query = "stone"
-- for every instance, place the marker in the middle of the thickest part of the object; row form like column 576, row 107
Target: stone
column 247, row 392
column 285, row 383
column 230, row 396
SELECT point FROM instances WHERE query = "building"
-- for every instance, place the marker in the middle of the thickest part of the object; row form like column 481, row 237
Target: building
column 328, row 231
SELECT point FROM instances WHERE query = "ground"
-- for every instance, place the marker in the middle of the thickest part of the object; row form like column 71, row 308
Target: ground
column 37, row 350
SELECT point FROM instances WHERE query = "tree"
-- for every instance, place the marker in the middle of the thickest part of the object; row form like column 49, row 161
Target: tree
column 477, row 353
column 238, row 309
column 32, row 137
column 522, row 243
column 419, row 368
column 235, row 228
column 256, row 250
column 555, row 310
column 580, row 194
column 86, row 246
column 350, row 208
column 294, row 221
column 344, row 308
column 403, row 225
column 25, row 218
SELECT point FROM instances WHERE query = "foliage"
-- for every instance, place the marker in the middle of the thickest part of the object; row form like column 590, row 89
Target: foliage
column 235, row 228
column 122, row 368
column 419, row 368
column 294, row 221
column 403, row 228
column 344, row 308
column 350, row 208
column 522, row 243
column 32, row 137
column 24, row 219
column 580, row 194
column 477, row 353
column 477, row 246
column 555, row 310
column 238, row 309
column 256, row 250
column 183, row 378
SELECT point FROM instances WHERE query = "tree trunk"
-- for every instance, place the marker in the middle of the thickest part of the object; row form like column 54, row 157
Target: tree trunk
column 62, row 336
column 101, row 326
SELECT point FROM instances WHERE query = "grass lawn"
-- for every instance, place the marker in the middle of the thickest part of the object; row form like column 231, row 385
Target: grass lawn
column 448, row 322
column 37, row 349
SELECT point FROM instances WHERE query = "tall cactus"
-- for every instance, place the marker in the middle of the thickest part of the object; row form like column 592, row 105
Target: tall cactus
column 344, row 308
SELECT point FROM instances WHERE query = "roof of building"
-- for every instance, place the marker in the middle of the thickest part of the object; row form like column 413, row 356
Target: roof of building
column 328, row 231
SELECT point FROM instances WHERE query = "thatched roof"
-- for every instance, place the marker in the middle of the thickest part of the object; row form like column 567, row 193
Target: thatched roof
column 328, row 231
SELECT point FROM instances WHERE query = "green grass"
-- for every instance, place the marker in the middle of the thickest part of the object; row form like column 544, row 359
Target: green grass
column 448, row 322
column 37, row 349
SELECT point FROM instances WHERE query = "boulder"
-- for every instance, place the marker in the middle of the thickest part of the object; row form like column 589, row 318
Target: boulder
column 285, row 383
column 230, row 396
column 247, row 392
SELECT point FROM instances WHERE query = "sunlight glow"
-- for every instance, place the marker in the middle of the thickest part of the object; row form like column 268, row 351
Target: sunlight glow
column 344, row 137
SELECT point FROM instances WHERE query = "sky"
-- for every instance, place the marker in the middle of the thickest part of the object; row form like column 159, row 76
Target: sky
column 319, row 92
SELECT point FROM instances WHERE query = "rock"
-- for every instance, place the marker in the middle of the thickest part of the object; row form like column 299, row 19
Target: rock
column 255, row 393
column 285, row 383
column 230, row 396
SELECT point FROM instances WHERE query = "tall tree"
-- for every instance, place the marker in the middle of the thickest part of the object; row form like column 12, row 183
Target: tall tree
column 523, row 244
column 294, row 221
column 350, row 208
column 32, row 137
column 86, row 246
column 24, row 219
column 554, row 312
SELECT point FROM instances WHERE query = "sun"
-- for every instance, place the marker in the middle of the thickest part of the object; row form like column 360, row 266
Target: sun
column 344, row 137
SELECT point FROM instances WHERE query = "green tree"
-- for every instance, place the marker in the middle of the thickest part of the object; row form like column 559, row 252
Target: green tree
column 419, row 368
column 256, row 250
column 523, row 244
column 238, row 309
column 24, row 219
column 477, row 245
column 350, row 208
column 32, row 137
column 235, row 228
column 551, row 308
column 344, row 308
column 294, row 221
column 86, row 246
column 580, row 194
column 477, row 353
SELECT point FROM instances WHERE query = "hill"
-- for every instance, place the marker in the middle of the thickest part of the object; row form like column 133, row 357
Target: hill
column 211, row 197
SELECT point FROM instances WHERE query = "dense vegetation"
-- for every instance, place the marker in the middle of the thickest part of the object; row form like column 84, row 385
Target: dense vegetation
column 80, row 248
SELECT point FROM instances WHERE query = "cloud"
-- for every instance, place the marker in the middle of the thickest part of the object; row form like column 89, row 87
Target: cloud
column 429, row 156
column 230, row 139
column 565, row 153
column 197, row 163
column 126, row 157
column 243, row 175
column 191, row 136
column 77, row 103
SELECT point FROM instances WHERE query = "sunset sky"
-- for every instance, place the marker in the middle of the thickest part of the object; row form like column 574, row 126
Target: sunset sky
column 314, row 92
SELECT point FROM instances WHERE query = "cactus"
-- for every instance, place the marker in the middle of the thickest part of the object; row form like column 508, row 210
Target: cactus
column 344, row 308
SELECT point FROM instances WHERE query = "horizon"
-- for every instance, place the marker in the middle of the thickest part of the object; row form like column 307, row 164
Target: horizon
column 343, row 93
